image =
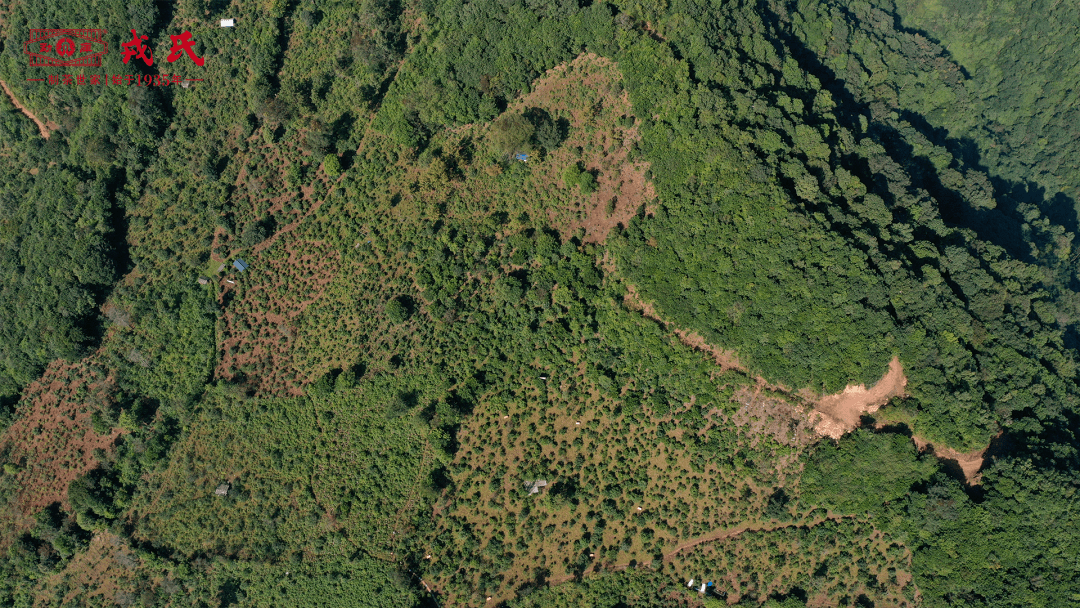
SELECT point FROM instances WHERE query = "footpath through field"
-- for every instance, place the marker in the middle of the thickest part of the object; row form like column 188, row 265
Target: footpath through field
column 716, row 535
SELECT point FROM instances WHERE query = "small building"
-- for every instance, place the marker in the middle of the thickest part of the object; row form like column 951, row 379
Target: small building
column 204, row 281
column 522, row 157
column 702, row 590
column 221, row 268
column 240, row 265
column 228, row 22
column 690, row 584
column 534, row 486
column 222, row 490
column 185, row 83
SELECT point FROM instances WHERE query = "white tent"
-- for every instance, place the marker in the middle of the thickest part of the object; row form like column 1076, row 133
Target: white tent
column 227, row 22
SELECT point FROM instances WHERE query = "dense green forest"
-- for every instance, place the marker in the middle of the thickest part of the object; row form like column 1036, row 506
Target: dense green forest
column 628, row 248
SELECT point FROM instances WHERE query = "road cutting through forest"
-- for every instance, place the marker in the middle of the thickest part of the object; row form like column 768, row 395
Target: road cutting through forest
column 20, row 107
column 833, row 415
column 842, row 412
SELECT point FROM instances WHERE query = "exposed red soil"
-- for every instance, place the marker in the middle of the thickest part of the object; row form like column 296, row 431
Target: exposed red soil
column 764, row 413
column 52, row 441
column 971, row 463
column 257, row 335
column 97, row 569
column 726, row 359
column 842, row 412
column 19, row 106
column 606, row 145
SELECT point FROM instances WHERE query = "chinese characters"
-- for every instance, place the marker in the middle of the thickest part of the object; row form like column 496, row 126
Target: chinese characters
column 182, row 44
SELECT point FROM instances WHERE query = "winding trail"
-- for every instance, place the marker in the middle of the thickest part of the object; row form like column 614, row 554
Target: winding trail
column 832, row 415
column 714, row 536
column 19, row 106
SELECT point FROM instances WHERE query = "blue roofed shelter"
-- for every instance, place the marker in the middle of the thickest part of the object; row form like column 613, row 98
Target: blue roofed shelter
column 522, row 157
column 240, row 265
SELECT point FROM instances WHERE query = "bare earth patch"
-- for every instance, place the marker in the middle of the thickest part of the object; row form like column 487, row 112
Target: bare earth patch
column 588, row 92
column 970, row 463
column 841, row 413
column 53, row 441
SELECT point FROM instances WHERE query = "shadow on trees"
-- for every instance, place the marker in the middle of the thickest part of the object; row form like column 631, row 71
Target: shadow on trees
column 229, row 593
column 1002, row 226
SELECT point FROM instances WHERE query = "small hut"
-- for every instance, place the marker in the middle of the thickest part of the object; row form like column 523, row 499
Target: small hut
column 240, row 265
column 222, row 490
column 204, row 281
column 534, row 486
column 228, row 22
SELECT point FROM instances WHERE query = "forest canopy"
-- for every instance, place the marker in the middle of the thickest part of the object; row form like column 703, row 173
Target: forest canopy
column 542, row 303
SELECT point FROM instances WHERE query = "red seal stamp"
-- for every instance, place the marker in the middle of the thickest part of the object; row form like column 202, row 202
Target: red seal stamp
column 62, row 48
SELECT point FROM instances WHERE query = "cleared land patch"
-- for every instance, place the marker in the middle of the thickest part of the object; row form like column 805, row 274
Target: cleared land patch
column 53, row 440
column 969, row 463
column 842, row 412
column 588, row 93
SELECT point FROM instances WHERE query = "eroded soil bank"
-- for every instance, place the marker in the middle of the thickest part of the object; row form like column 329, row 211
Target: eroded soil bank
column 842, row 412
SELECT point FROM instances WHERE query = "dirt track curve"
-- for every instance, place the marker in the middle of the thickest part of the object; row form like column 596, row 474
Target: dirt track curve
column 18, row 105
column 716, row 535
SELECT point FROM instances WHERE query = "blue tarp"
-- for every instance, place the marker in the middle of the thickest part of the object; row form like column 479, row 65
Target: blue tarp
column 240, row 265
column 521, row 157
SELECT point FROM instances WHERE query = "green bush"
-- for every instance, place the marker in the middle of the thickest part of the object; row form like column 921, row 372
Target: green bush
column 575, row 175
column 511, row 133
column 396, row 311
column 332, row 166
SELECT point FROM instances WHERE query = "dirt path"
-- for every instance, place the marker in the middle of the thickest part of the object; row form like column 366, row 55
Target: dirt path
column 841, row 413
column 724, row 358
column 717, row 535
column 37, row 121
column 832, row 415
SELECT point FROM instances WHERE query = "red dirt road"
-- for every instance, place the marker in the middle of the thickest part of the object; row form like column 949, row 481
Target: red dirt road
column 37, row 121
column 841, row 413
